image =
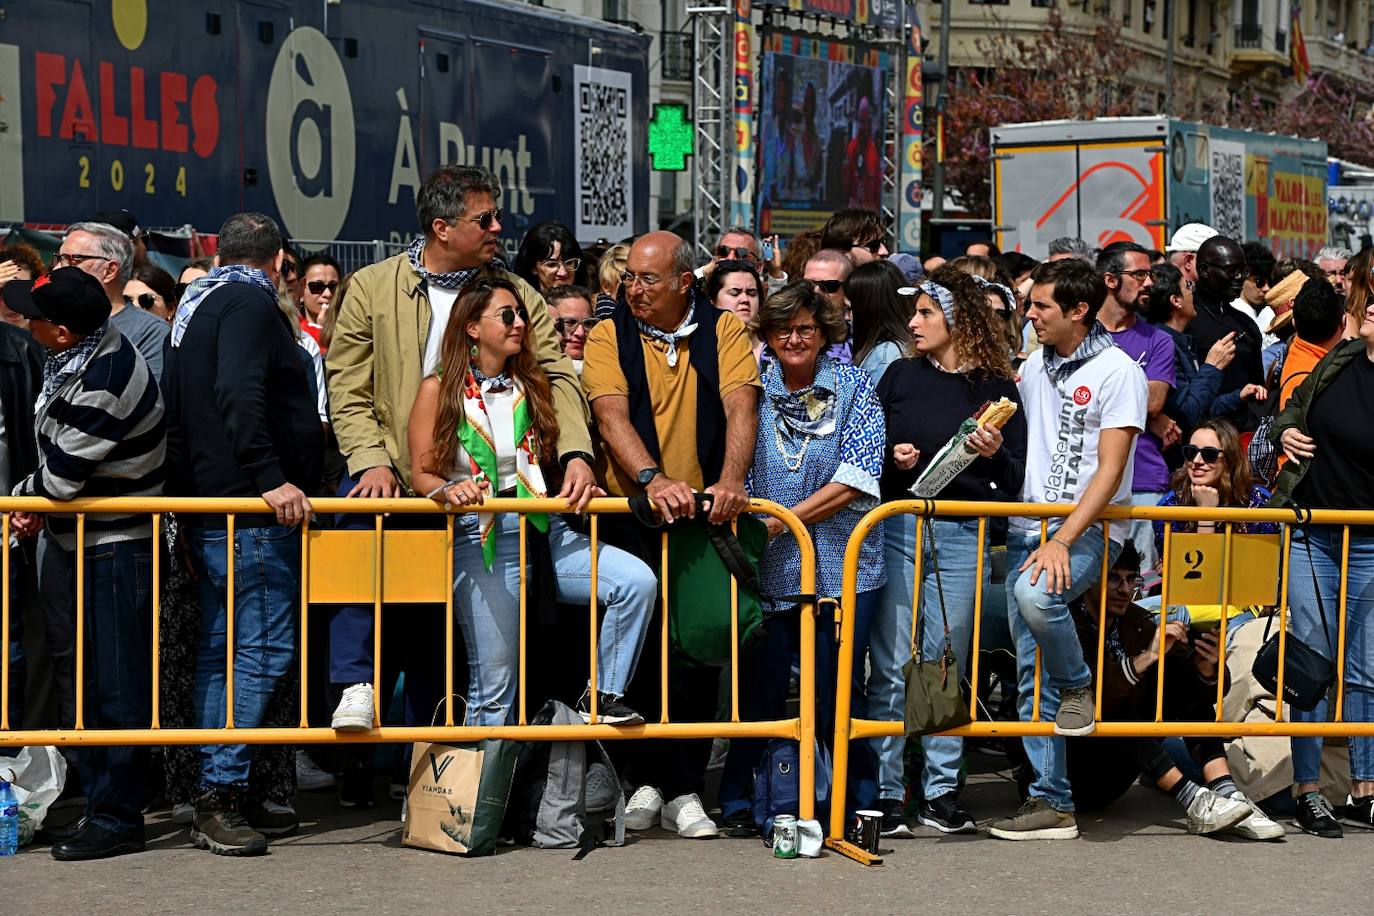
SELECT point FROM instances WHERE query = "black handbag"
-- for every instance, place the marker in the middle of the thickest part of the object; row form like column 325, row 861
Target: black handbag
column 1308, row 675
column 934, row 702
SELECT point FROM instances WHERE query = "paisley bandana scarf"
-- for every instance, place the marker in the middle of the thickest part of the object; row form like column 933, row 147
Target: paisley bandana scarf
column 476, row 437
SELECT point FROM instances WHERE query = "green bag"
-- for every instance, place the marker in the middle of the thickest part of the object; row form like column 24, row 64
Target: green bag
column 699, row 590
column 934, row 701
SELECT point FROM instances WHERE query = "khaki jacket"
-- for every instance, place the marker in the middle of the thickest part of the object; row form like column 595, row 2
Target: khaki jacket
column 374, row 366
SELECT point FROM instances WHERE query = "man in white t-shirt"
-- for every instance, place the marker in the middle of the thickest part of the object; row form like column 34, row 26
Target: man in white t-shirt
column 1085, row 402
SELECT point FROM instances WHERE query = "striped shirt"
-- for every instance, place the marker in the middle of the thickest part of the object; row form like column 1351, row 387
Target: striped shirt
column 101, row 434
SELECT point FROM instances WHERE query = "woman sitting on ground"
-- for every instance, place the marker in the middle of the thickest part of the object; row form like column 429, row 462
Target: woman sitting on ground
column 483, row 425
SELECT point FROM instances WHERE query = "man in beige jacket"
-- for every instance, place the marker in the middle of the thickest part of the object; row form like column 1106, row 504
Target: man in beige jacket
column 386, row 340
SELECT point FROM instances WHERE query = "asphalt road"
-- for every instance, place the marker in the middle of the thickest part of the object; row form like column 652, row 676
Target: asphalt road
column 1134, row 858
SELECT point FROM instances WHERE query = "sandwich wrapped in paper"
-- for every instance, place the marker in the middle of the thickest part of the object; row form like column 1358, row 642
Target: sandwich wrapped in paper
column 950, row 461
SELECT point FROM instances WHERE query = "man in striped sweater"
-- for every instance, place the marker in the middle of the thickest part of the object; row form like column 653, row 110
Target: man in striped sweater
column 99, row 422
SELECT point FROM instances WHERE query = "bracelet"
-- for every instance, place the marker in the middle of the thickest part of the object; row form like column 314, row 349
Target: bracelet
column 1059, row 542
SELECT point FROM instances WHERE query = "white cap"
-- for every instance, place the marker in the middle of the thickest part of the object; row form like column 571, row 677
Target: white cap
column 1190, row 237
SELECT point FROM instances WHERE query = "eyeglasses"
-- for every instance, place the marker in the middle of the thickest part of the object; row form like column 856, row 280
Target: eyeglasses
column 829, row 287
column 508, row 315
column 73, row 260
column 567, row 326
column 317, row 287
column 874, row 246
column 570, row 265
column 1209, row 454
column 648, row 281
column 144, row 300
column 743, row 254
column 804, row 333
column 1132, row 582
column 1139, row 276
column 483, row 220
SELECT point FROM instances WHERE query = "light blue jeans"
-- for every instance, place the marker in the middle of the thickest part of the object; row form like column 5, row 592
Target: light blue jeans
column 1359, row 642
column 956, row 542
column 487, row 605
column 1040, row 618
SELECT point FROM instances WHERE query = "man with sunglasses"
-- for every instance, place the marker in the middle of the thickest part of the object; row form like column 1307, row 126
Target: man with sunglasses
column 828, row 269
column 739, row 244
column 106, row 253
column 858, row 233
column 1259, row 262
column 1222, row 271
column 1126, row 272
column 387, row 338
column 574, row 320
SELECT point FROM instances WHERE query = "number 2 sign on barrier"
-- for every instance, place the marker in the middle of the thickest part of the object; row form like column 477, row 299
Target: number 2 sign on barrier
column 1196, row 568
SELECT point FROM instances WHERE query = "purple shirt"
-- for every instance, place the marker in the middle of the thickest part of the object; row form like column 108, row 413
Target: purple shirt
column 1153, row 351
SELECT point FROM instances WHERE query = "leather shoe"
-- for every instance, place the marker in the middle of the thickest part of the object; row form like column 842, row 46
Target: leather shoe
column 61, row 834
column 95, row 842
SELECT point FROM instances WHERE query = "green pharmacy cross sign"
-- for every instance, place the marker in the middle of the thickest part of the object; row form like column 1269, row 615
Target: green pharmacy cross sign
column 670, row 138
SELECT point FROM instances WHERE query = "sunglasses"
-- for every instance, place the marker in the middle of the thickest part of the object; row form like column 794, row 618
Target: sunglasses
column 144, row 300
column 485, row 220
column 743, row 254
column 288, row 269
column 829, row 287
column 569, row 325
column 1209, row 454
column 317, row 287
column 507, row 315
column 874, row 246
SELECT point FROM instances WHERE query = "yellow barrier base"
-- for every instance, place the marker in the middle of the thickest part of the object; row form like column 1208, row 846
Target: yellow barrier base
column 850, row 851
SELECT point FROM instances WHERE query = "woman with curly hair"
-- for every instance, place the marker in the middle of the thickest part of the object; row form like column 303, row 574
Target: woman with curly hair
column 997, row 288
column 959, row 362
column 484, row 425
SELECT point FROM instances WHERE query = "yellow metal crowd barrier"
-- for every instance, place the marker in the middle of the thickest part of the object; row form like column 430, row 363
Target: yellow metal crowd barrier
column 1226, row 568
column 383, row 566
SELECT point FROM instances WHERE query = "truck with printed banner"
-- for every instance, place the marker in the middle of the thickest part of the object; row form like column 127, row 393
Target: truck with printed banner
column 325, row 116
column 1139, row 179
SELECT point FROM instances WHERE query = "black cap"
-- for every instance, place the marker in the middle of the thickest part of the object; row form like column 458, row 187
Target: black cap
column 122, row 220
column 67, row 296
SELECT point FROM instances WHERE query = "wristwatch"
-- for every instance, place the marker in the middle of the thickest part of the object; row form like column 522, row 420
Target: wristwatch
column 644, row 477
column 565, row 459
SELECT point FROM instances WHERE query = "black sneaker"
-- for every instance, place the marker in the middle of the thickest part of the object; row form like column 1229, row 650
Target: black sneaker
column 1359, row 812
column 946, row 815
column 355, row 786
column 894, row 823
column 272, row 819
column 609, row 710
column 740, row 825
column 1315, row 817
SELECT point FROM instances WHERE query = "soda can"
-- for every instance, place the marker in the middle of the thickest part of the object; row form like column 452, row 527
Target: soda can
column 784, row 837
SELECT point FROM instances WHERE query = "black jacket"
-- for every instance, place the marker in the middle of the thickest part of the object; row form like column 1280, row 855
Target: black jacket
column 240, row 417
column 21, row 381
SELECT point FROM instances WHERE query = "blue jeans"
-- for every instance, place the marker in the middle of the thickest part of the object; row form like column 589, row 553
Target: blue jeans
column 118, row 674
column 1359, row 642
column 1040, row 618
column 267, row 588
column 956, row 542
column 487, row 605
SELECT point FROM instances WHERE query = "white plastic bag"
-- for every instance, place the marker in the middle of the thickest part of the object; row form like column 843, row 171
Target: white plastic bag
column 39, row 773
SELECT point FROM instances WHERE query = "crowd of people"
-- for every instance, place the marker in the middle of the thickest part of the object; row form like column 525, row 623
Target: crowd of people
column 825, row 376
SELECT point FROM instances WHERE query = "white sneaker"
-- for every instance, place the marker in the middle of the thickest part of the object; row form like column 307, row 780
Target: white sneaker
column 183, row 813
column 354, row 712
column 1257, row 826
column 686, row 815
column 310, row 778
column 1211, row 812
column 643, row 810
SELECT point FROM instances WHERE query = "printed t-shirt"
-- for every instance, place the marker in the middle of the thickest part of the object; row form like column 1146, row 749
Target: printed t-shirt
column 1153, row 352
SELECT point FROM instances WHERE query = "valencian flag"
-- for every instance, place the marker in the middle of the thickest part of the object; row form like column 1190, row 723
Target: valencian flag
column 1297, row 48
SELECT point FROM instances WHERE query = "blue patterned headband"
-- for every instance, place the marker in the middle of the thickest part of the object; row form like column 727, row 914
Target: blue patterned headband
column 942, row 296
column 1007, row 296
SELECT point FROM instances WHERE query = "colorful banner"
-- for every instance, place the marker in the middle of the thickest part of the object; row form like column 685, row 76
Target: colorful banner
column 742, row 203
column 909, row 171
column 821, row 127
column 882, row 13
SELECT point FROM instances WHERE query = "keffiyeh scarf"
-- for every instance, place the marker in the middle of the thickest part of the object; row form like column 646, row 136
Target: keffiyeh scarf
column 671, row 338
column 202, row 287
column 1059, row 368
column 61, row 367
column 454, row 279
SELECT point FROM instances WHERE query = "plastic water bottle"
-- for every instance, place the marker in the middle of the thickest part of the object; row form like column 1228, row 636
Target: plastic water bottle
column 9, row 820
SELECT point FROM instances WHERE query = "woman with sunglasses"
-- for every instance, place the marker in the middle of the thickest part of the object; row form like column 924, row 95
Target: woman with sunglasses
column 1215, row 475
column 1327, row 432
column 958, row 362
column 734, row 286
column 881, row 315
column 320, row 280
column 152, row 289
column 483, row 425
column 550, row 256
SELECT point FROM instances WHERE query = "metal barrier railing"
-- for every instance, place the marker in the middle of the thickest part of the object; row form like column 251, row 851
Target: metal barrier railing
column 1206, row 578
column 400, row 566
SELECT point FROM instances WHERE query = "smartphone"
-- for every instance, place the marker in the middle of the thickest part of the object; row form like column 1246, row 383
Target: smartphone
column 768, row 249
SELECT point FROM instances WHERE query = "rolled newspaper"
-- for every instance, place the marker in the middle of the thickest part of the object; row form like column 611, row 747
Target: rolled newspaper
column 956, row 454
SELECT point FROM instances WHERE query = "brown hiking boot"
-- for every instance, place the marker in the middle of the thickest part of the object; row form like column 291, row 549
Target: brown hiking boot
column 220, row 827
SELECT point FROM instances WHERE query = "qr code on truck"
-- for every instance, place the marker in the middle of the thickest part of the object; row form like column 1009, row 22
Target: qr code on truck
column 605, row 192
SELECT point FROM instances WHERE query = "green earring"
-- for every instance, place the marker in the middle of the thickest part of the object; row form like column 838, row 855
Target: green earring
column 472, row 351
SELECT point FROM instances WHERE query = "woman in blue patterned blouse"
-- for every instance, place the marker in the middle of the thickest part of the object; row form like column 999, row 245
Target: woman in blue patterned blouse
column 820, row 453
